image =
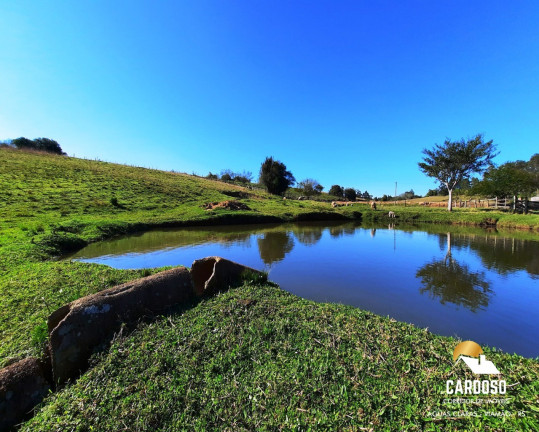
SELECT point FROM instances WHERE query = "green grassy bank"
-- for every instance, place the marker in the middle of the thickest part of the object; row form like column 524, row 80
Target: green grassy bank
column 258, row 358
column 52, row 204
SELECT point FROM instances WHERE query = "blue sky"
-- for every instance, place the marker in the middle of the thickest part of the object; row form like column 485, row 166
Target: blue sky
column 347, row 93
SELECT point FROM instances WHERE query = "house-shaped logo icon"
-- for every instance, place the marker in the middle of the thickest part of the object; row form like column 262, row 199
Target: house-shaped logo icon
column 467, row 351
column 481, row 366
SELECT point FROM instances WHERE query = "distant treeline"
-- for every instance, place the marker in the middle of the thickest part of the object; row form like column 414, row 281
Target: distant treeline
column 276, row 179
column 37, row 144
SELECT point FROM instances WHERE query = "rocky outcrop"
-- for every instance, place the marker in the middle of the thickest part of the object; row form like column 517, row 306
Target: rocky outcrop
column 77, row 329
column 22, row 386
column 213, row 274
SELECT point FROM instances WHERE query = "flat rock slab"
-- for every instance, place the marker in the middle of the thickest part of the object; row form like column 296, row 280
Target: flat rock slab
column 79, row 328
column 22, row 386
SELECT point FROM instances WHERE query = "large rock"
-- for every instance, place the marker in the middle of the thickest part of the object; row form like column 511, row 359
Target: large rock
column 79, row 328
column 22, row 386
column 214, row 274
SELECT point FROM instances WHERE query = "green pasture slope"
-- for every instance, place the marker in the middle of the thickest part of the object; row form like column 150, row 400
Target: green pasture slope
column 226, row 363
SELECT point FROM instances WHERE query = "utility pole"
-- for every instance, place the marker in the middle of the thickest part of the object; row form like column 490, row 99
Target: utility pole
column 395, row 192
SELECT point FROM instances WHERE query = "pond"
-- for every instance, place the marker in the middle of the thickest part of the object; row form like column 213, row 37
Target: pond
column 463, row 282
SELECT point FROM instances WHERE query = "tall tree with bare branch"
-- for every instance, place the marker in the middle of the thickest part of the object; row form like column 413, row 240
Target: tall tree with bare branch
column 453, row 161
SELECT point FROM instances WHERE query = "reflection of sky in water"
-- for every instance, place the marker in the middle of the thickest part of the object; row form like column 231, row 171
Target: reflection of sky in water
column 401, row 274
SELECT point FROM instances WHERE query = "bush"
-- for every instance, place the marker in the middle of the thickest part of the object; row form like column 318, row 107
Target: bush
column 39, row 144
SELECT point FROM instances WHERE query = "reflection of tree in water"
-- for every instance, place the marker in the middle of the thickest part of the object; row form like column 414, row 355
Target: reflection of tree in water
column 236, row 239
column 336, row 231
column 308, row 235
column 505, row 255
column 273, row 246
column 454, row 283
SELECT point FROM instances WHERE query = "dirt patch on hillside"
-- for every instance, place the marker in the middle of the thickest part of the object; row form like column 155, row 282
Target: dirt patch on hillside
column 229, row 205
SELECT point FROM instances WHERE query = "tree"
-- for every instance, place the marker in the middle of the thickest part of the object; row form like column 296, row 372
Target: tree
column 310, row 187
column 451, row 162
column 408, row 194
column 337, row 191
column 275, row 177
column 226, row 177
column 40, row 144
column 48, row 145
column 23, row 143
column 350, row 194
column 366, row 195
column 507, row 180
column 245, row 177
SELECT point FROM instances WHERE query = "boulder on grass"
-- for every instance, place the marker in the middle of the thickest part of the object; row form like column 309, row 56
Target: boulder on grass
column 79, row 328
column 214, row 274
column 23, row 385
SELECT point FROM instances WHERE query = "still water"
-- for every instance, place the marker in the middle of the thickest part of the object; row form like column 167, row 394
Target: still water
column 469, row 283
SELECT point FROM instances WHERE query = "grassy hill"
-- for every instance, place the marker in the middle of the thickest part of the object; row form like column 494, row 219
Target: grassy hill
column 53, row 204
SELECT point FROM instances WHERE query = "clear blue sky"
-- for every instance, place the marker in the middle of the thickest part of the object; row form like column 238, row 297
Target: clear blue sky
column 343, row 92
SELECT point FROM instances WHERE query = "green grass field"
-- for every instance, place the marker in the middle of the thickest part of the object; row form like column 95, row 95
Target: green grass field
column 50, row 205
column 258, row 358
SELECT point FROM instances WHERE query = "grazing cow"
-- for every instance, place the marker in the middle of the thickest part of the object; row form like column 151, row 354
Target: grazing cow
column 391, row 214
column 373, row 205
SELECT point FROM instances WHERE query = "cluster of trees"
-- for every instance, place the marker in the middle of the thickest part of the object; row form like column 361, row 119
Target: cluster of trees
column 39, row 144
column 310, row 187
column 227, row 175
column 403, row 196
column 512, row 179
column 276, row 178
column 348, row 193
column 453, row 164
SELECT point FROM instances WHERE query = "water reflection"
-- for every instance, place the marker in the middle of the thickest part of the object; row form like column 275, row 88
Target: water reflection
column 505, row 255
column 308, row 235
column 273, row 246
column 480, row 285
column 342, row 230
column 452, row 282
